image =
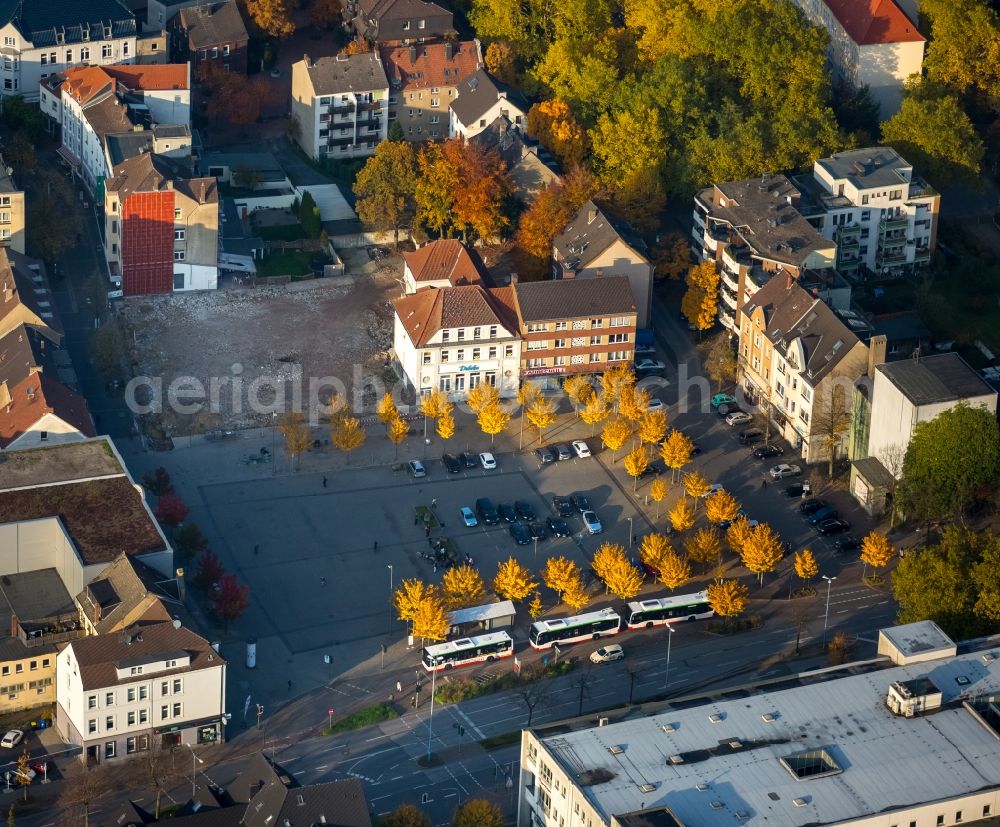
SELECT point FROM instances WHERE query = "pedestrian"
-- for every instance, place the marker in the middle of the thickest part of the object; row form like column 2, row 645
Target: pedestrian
column 289, row 684
column 399, row 686
column 324, row 482
column 391, row 697
column 413, row 701
column 427, row 531
column 416, row 519
column 434, row 503
column 763, row 482
column 322, row 581
column 435, row 568
column 376, row 547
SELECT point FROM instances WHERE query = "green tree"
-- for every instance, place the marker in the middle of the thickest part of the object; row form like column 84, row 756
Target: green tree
column 51, row 194
column 933, row 133
column 405, row 815
column 309, row 215
column 395, row 132
column 386, row 185
column 477, row 813
column 720, row 364
column 951, row 462
column 964, row 47
column 625, row 143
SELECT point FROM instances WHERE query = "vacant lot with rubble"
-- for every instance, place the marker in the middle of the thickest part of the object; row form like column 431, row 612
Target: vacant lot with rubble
column 263, row 349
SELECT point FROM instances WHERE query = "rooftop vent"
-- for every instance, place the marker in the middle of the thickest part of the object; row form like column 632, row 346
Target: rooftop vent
column 768, row 718
column 647, row 788
column 909, row 698
column 735, row 744
column 716, row 718
column 668, row 728
column 988, row 657
column 799, row 802
column 703, row 788
column 716, row 805
column 614, row 749
column 813, row 763
column 676, row 759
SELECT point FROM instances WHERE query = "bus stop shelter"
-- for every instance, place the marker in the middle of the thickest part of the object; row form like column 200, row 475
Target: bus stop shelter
column 498, row 615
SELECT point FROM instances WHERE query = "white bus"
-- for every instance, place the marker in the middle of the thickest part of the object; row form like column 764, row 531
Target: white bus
column 658, row 612
column 467, row 650
column 588, row 626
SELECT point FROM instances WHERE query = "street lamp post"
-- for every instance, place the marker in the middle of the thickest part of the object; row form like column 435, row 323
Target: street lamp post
column 274, row 441
column 430, row 718
column 195, row 760
column 826, row 614
column 670, row 637
column 389, row 622
column 630, row 534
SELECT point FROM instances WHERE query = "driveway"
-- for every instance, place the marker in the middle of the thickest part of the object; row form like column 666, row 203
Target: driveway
column 300, row 173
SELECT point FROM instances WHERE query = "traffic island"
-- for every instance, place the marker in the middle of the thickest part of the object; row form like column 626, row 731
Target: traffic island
column 370, row 715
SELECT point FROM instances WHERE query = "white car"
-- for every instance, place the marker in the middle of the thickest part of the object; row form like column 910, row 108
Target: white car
column 468, row 517
column 779, row 472
column 656, row 405
column 738, row 418
column 581, row 448
column 606, row 654
column 591, row 522
column 713, row 488
column 649, row 364
column 12, row 739
column 416, row 468
column 488, row 461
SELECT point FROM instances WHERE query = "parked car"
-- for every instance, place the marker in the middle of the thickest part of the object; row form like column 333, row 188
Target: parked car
column 738, row 418
column 487, row 460
column 606, row 654
column 722, row 399
column 558, row 527
column 591, row 522
column 695, row 449
column 563, row 452
column 581, row 448
column 524, row 510
column 751, row 435
column 648, row 365
column 848, row 545
column 12, row 739
column 520, row 533
column 724, row 524
column 656, row 405
column 469, row 460
column 507, row 513
column 832, row 526
column 451, row 463
column 645, row 351
column 715, row 486
column 563, row 506
column 468, row 517
column 545, row 455
column 798, row 489
column 768, row 451
column 416, row 468
column 653, row 469
column 487, row 511
column 812, row 506
column 780, row 472
column 580, row 501
column 537, row 531
column 823, row 514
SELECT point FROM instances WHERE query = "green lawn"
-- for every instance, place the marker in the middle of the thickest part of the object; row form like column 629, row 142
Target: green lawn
column 284, row 263
column 375, row 714
column 280, row 232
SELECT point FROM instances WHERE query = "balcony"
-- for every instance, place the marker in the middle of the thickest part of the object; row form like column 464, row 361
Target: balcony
column 341, row 140
column 848, row 231
column 732, row 282
column 890, row 259
column 369, row 106
column 372, row 124
column 893, row 241
column 728, row 298
column 342, row 109
column 893, row 223
column 726, row 319
column 922, row 254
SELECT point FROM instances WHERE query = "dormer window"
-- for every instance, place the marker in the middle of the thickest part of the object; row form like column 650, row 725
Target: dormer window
column 406, row 26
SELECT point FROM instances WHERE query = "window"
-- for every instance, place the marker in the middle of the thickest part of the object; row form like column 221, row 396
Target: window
column 91, row 702
column 125, row 48
column 109, row 698
column 445, row 355
column 958, row 816
column 178, row 255
column 109, row 723
column 178, row 685
column 508, row 351
column 421, row 24
column 536, row 363
column 444, row 384
column 617, row 338
column 595, row 357
column 85, row 53
column 597, row 322
column 131, row 695
column 178, row 710
column 92, row 726
column 492, row 353
column 476, row 332
column 178, row 281
column 406, row 25
column 18, row 668
column 143, row 693
column 619, row 355
column 595, row 340
column 138, row 743
column 215, row 53
column 561, row 325
column 8, row 41
column 109, row 749
column 559, row 360
column 44, row 59
column 445, row 334
column 987, row 809
column 461, row 334
column 131, row 719
column 164, row 712
column 779, row 389
column 143, row 716
column 225, row 50
column 135, row 670
column 536, row 328
column 179, row 234
column 460, row 355
column 940, row 820
column 477, row 354
column 538, row 344
column 803, row 415
column 619, row 321
column 435, row 102
column 864, row 199
column 806, row 394
column 895, row 195
column 425, row 357
column 562, row 343
column 106, row 50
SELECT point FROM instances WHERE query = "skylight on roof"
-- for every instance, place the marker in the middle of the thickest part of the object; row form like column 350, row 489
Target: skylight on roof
column 813, row 763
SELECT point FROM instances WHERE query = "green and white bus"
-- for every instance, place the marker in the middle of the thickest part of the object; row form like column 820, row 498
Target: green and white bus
column 467, row 650
column 588, row 626
column 642, row 614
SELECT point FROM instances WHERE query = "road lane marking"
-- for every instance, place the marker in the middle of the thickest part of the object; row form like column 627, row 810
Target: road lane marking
column 468, row 722
column 321, row 767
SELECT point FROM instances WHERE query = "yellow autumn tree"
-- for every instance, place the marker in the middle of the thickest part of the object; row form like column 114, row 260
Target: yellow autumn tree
column 397, row 432
column 594, row 411
column 700, row 303
column 636, row 462
column 559, row 574
column 704, row 546
column 492, row 420
column 652, row 427
column 542, row 415
column 728, row 598
column 536, row 608
column 652, row 548
column 633, row 402
column 446, row 426
column 676, row 452
column 387, row 410
column 579, row 390
column 436, row 404
column 484, row 395
column 298, row 436
column 513, row 581
column 348, row 434
column 408, row 596
column 721, row 507
column 876, row 551
column 657, row 493
column 674, row 570
column 430, row 622
column 806, row 566
column 615, row 434
column 619, row 575
column 274, row 17
column 462, row 587
column 616, row 378
column 681, row 516
column 576, row 596
column 553, row 122
column 696, row 486
column 737, row 535
column 762, row 551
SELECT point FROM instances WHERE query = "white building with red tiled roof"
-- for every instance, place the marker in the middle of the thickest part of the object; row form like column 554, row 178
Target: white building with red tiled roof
column 442, row 263
column 873, row 43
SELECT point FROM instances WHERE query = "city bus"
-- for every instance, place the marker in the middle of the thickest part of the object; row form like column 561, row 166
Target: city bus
column 658, row 612
column 588, row 626
column 467, row 650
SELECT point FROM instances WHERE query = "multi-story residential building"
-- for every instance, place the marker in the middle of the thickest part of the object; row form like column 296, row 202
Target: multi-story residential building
column 161, row 89
column 453, row 338
column 529, row 166
column 40, row 38
column 594, row 246
column 481, row 100
column 572, row 326
column 126, row 594
column 913, row 744
column 339, row 105
column 754, row 232
column 161, row 228
column 143, row 688
column 798, row 361
column 25, row 296
column 423, row 81
column 11, row 211
column 390, row 21
column 873, row 43
column 445, row 262
column 210, row 33
column 881, row 215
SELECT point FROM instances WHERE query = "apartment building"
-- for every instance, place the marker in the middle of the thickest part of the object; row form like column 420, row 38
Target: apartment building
column 882, row 216
column 753, row 231
column 40, row 38
column 481, row 100
column 424, row 79
column 572, row 326
column 146, row 687
column 339, row 105
column 210, row 33
column 595, row 246
column 396, row 21
column 11, row 211
column 873, row 43
column 161, row 228
column 163, row 90
column 912, row 744
column 451, row 339
column 445, row 262
column 798, row 362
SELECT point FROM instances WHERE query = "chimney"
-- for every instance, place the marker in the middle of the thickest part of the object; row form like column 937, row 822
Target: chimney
column 447, row 51
column 591, row 215
column 788, row 281
column 513, row 278
column 308, row 63
column 413, row 54
column 877, row 347
column 181, row 586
